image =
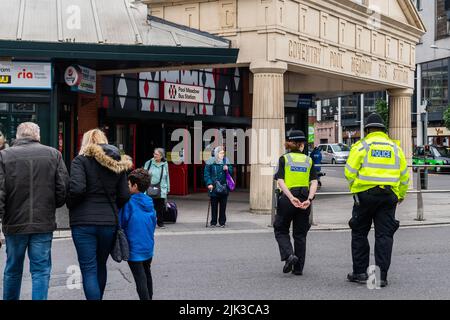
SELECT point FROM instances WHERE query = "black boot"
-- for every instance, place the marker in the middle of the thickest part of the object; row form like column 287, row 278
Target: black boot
column 297, row 272
column 358, row 277
column 290, row 262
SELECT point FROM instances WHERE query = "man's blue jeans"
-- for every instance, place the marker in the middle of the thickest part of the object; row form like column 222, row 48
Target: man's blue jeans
column 39, row 247
column 93, row 244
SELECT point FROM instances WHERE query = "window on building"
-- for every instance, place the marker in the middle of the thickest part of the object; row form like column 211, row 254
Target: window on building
column 442, row 19
column 362, row 2
column 329, row 109
column 370, row 100
column 350, row 107
column 418, row 4
column 435, row 84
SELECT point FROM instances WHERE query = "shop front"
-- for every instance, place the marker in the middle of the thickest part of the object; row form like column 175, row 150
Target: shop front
column 50, row 71
column 25, row 95
column 439, row 136
column 147, row 110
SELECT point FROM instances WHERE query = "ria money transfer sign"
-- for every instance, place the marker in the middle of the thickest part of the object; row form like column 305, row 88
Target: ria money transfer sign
column 181, row 92
column 25, row 75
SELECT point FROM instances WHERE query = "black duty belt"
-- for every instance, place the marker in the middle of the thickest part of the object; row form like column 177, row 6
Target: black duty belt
column 379, row 189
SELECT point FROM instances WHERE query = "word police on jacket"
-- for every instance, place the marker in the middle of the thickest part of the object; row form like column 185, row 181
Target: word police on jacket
column 381, row 154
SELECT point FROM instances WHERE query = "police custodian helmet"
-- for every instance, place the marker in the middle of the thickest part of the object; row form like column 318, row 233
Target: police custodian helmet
column 296, row 136
column 374, row 121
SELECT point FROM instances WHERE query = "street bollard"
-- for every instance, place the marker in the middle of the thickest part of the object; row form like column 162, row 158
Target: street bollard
column 423, row 176
column 419, row 196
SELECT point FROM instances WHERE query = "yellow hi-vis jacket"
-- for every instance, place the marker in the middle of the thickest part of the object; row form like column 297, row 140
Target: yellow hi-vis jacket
column 297, row 169
column 377, row 161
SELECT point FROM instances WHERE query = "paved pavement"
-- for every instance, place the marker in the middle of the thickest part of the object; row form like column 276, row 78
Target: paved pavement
column 329, row 212
column 243, row 266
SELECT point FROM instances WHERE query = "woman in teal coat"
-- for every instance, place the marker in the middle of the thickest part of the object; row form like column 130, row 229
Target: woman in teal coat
column 216, row 180
column 154, row 166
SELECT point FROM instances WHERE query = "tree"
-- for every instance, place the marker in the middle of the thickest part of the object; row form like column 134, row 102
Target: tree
column 383, row 110
column 447, row 118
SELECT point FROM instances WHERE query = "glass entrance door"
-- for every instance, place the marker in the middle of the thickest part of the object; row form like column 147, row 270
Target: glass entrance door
column 13, row 114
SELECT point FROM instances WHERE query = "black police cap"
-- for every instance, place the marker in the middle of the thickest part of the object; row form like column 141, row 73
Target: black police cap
column 375, row 121
column 296, row 135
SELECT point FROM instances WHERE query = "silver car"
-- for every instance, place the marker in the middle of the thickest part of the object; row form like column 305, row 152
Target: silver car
column 334, row 153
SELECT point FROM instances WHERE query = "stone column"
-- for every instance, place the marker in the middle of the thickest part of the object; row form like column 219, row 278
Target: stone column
column 267, row 114
column 400, row 119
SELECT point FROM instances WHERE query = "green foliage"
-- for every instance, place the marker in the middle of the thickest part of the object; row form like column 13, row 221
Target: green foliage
column 383, row 110
column 447, row 118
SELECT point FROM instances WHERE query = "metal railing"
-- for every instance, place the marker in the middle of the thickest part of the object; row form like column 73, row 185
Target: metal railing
column 419, row 190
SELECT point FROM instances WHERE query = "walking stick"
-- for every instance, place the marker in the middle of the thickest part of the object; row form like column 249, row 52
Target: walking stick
column 207, row 216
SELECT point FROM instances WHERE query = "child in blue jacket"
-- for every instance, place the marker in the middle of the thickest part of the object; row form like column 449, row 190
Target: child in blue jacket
column 138, row 220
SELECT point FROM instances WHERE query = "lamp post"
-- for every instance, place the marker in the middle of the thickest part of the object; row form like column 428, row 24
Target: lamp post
column 336, row 129
column 361, row 124
column 340, row 140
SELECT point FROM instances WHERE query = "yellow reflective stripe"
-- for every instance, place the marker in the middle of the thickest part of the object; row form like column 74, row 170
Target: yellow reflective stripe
column 404, row 172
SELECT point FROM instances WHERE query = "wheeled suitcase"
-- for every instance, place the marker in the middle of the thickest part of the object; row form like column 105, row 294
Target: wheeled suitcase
column 171, row 213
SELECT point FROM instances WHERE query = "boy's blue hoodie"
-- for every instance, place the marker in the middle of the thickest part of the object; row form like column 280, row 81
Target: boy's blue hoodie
column 138, row 220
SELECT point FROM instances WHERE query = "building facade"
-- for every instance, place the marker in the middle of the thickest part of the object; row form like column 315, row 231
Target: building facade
column 284, row 55
column 64, row 70
column 312, row 47
column 433, row 72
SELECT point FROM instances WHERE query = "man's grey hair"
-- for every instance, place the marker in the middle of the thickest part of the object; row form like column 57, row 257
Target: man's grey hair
column 28, row 130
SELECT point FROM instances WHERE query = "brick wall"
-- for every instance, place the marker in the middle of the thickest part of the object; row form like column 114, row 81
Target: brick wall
column 325, row 131
column 88, row 105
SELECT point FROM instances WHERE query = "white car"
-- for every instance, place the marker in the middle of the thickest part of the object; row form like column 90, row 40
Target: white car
column 334, row 153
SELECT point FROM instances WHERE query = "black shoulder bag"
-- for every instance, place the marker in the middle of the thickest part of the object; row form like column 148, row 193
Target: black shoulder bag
column 120, row 250
column 219, row 188
column 154, row 190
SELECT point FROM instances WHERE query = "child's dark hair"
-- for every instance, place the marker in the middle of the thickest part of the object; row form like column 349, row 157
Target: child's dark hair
column 141, row 178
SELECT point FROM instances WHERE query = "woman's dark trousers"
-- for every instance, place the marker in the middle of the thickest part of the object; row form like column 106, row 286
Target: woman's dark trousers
column 218, row 204
column 287, row 214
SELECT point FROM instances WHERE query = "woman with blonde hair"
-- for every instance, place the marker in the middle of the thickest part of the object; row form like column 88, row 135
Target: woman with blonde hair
column 98, row 183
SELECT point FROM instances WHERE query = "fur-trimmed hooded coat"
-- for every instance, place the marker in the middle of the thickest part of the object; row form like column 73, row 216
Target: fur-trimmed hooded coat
column 88, row 203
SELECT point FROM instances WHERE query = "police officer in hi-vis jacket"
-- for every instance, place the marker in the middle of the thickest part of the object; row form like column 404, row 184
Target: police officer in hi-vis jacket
column 378, row 175
column 297, row 179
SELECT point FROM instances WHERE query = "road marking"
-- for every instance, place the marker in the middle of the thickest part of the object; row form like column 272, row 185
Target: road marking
column 210, row 232
column 268, row 230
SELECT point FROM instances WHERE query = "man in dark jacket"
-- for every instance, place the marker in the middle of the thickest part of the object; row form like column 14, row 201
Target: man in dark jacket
column 33, row 183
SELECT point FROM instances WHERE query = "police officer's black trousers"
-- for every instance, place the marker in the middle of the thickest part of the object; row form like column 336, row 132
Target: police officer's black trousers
column 287, row 214
column 377, row 205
